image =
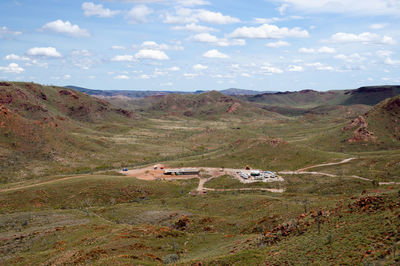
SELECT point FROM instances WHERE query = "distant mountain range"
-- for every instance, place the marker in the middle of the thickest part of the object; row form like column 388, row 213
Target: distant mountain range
column 142, row 94
column 370, row 95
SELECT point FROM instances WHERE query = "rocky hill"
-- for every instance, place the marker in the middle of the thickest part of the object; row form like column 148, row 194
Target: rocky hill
column 210, row 105
column 377, row 129
column 384, row 120
column 49, row 103
column 310, row 98
column 371, row 95
column 40, row 123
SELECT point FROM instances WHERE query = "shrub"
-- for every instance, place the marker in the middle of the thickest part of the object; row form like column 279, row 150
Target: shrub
column 171, row 258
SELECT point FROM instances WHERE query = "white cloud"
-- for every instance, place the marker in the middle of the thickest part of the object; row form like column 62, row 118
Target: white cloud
column 12, row 68
column 322, row 50
column 350, row 58
column 36, row 63
column 384, row 53
column 294, row 68
column 267, row 31
column 155, row 46
column 192, row 2
column 327, row 50
column 179, row 2
column 144, row 76
column 320, row 66
column 123, row 58
column 6, row 33
column 378, row 26
column 365, row 37
column 389, row 61
column 193, row 27
column 266, row 20
column 205, row 37
column 174, row 68
column 91, row 9
column 121, row 77
column 151, row 54
column 215, row 54
column 66, row 27
column 307, row 50
column 83, row 52
column 83, row 59
column 227, row 42
column 190, row 75
column 44, row 51
column 271, row 69
column 199, row 67
column 66, row 76
column 277, row 44
column 182, row 16
column 16, row 57
column 215, row 17
column 275, row 19
column 138, row 14
column 186, row 15
column 282, row 9
column 356, row 7
column 211, row 39
column 159, row 73
column 246, row 75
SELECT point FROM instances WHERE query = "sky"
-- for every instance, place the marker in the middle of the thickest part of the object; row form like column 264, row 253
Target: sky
column 186, row 45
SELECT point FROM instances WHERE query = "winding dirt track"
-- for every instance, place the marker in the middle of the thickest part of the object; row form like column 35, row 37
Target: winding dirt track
column 302, row 172
column 325, row 164
column 42, row 183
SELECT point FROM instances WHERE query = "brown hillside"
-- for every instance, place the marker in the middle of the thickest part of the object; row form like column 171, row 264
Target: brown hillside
column 381, row 124
column 37, row 102
column 206, row 105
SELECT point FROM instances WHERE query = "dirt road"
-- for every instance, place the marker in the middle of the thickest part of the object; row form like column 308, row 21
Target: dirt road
column 302, row 172
column 325, row 164
column 42, row 183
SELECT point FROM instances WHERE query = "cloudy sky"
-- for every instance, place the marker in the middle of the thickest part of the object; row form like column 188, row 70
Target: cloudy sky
column 201, row 44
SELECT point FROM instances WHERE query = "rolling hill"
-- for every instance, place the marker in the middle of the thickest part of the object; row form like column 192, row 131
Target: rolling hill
column 209, row 105
column 146, row 93
column 384, row 120
column 310, row 98
column 376, row 129
column 41, row 123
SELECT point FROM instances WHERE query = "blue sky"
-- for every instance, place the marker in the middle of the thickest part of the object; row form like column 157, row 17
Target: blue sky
column 281, row 45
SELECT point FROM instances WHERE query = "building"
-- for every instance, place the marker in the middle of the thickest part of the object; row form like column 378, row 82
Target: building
column 181, row 172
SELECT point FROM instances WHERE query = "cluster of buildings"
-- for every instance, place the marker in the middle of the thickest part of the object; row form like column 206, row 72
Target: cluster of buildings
column 258, row 175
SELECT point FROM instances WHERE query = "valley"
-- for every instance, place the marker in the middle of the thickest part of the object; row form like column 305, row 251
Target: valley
column 64, row 198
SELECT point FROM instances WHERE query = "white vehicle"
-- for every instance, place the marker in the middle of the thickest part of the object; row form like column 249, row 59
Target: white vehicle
column 244, row 176
column 255, row 173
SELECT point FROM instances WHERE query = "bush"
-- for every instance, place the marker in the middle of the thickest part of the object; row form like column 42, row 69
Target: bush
column 375, row 183
column 171, row 258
